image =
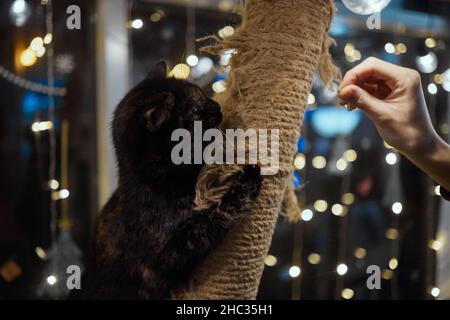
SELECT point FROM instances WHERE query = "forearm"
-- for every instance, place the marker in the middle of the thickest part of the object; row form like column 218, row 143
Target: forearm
column 435, row 161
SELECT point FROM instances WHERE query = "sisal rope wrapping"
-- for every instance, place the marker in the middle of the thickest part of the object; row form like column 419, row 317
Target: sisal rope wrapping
column 278, row 47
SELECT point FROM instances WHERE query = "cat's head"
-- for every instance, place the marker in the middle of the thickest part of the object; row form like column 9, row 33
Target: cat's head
column 148, row 115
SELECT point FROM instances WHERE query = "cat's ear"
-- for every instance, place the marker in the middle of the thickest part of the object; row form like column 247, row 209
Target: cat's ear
column 160, row 113
column 158, row 71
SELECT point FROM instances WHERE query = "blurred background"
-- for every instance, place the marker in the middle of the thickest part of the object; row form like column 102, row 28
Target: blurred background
column 363, row 203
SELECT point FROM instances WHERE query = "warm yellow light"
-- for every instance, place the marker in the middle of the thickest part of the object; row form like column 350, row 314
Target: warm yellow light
column 337, row 209
column 349, row 48
column 341, row 164
column 219, row 86
column 438, row 78
column 347, row 293
column 314, row 258
column 40, row 52
column 430, row 42
column 270, row 260
column 48, row 38
column 53, row 184
column 348, row 198
column 319, row 162
column 156, row 16
column 350, row 155
column 360, row 253
column 387, row 274
column 311, row 99
column 41, row 126
column 41, row 253
column 391, row 234
column 320, row 205
column 180, row 71
column 401, row 48
column 28, row 58
column 435, row 245
column 299, row 161
column 36, row 43
column 393, row 263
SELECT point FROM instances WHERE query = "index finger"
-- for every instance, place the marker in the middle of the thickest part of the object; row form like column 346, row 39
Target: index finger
column 372, row 69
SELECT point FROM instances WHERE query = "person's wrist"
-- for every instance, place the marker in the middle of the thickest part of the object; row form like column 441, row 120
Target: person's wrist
column 432, row 148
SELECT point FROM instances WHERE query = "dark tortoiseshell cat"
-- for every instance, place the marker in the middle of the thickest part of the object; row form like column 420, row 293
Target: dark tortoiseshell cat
column 148, row 238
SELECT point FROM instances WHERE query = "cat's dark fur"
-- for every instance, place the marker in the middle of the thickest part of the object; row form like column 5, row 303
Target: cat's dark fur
column 148, row 237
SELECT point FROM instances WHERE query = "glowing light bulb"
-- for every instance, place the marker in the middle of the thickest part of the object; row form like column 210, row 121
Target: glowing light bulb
column 391, row 158
column 341, row 164
column 342, row 269
column 397, row 208
column 435, row 245
column 192, row 60
column 427, row 63
column 366, row 7
column 319, row 162
column 348, row 198
column 180, row 71
column 337, row 209
column 314, row 258
column 389, row 48
column 430, row 42
column 320, row 205
column 48, row 38
column 51, row 280
column 360, row 253
column 28, row 58
column 299, row 161
column 307, row 215
column 393, row 263
column 219, row 86
column 64, row 193
column 435, row 291
column 432, row 88
column 347, row 293
column 270, row 260
column 40, row 52
column 294, row 271
column 36, row 43
column 137, row 23
column 391, row 234
column 53, row 184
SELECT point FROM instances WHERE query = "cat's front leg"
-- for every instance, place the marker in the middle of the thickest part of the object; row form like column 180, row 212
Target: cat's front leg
column 203, row 230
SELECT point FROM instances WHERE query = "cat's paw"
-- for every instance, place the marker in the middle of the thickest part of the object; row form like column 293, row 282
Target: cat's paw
column 252, row 178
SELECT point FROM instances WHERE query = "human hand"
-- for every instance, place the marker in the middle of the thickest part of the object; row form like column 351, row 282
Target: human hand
column 392, row 97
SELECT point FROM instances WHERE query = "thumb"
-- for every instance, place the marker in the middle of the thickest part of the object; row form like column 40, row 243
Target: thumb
column 362, row 99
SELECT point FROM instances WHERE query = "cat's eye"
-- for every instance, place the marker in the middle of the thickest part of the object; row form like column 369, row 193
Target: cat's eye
column 195, row 109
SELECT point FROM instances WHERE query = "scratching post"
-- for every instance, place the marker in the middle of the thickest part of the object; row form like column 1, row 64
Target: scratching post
column 278, row 47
